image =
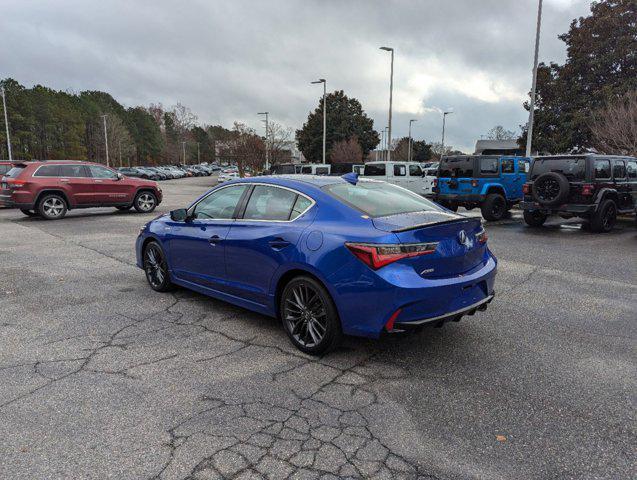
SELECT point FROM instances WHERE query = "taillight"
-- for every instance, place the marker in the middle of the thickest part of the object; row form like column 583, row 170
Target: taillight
column 435, row 184
column 13, row 183
column 482, row 236
column 526, row 189
column 474, row 183
column 376, row 256
column 587, row 189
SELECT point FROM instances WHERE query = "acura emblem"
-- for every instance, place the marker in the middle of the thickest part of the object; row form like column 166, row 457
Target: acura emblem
column 463, row 239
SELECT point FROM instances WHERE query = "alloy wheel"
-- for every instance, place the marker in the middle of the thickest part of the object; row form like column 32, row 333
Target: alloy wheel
column 305, row 315
column 53, row 207
column 154, row 266
column 146, row 202
column 608, row 219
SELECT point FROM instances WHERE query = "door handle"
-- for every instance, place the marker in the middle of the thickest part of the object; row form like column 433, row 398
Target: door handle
column 98, row 181
column 65, row 180
column 214, row 240
column 278, row 243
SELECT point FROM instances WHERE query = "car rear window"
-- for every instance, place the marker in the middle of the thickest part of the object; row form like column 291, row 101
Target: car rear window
column 455, row 167
column 379, row 199
column 377, row 170
column 573, row 168
column 14, row 172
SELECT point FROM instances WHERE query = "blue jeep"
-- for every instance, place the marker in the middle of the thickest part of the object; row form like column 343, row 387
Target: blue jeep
column 491, row 182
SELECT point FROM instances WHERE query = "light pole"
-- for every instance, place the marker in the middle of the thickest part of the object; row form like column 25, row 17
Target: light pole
column 267, row 134
column 391, row 89
column 322, row 80
column 529, row 133
column 444, row 118
column 6, row 123
column 108, row 163
column 409, row 149
column 382, row 144
column 386, row 153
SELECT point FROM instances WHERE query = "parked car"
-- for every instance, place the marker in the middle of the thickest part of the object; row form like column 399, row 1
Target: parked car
column 335, row 256
column 301, row 168
column 5, row 166
column 224, row 177
column 430, row 180
column 50, row 189
column 594, row 187
column 491, row 182
column 408, row 175
column 132, row 172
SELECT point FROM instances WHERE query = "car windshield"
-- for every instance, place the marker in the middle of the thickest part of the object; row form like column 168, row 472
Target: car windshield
column 379, row 199
column 573, row 168
column 456, row 167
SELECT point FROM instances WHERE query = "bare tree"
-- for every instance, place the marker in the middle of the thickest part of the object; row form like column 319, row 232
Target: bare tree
column 438, row 151
column 120, row 143
column 279, row 143
column 614, row 127
column 500, row 133
column 347, row 151
column 247, row 149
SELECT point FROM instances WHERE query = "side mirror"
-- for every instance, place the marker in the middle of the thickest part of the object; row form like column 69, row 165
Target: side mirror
column 179, row 215
column 119, row 176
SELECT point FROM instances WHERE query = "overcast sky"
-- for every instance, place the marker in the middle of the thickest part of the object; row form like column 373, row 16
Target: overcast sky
column 227, row 60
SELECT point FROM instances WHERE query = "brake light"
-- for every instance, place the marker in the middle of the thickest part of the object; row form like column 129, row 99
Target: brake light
column 474, row 183
column 13, row 183
column 587, row 189
column 376, row 256
column 435, row 184
column 526, row 189
column 482, row 236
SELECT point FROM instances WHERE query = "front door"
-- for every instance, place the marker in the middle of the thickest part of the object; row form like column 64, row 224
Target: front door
column 197, row 247
column 109, row 189
column 265, row 238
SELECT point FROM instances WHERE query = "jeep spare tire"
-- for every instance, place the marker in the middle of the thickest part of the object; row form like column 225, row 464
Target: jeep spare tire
column 551, row 188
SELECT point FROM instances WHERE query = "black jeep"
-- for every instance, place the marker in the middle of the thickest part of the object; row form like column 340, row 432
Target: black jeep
column 593, row 187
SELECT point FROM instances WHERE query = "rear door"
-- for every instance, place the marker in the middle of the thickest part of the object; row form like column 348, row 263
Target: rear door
column 621, row 184
column 109, row 189
column 79, row 185
column 399, row 175
column 510, row 178
column 415, row 180
column 265, row 237
column 456, row 174
column 631, row 171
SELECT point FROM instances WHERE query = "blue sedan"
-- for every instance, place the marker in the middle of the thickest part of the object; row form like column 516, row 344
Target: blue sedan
column 327, row 255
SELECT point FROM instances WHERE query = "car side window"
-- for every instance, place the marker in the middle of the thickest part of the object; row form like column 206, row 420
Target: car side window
column 270, row 203
column 602, row 169
column 72, row 171
column 415, row 171
column 101, row 172
column 523, row 166
column 322, row 171
column 301, row 205
column 619, row 170
column 631, row 168
column 306, row 170
column 47, row 171
column 220, row 204
column 489, row 166
column 4, row 169
column 508, row 166
column 400, row 171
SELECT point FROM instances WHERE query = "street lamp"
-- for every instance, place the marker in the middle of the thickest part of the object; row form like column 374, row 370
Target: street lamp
column 322, row 80
column 529, row 132
column 267, row 133
column 6, row 122
column 444, row 117
column 409, row 149
column 108, row 163
column 391, row 88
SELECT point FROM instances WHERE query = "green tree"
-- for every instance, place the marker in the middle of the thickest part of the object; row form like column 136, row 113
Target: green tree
column 420, row 150
column 345, row 119
column 601, row 65
column 146, row 135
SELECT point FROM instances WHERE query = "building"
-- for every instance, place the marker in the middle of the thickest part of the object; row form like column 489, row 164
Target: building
column 498, row 147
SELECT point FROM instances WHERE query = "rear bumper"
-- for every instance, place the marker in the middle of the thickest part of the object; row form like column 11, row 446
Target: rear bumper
column 569, row 207
column 458, row 198
column 455, row 316
column 6, row 200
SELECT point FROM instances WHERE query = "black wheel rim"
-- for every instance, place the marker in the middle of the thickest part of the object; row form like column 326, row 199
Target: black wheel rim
column 154, row 266
column 548, row 190
column 305, row 315
column 608, row 218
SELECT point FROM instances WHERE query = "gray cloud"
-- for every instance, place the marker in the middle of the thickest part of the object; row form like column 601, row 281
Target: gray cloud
column 228, row 60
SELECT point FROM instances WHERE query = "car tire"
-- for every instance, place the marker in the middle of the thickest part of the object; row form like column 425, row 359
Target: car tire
column 534, row 218
column 145, row 201
column 309, row 316
column 494, row 207
column 603, row 220
column 551, row 189
column 52, row 207
column 28, row 213
column 156, row 267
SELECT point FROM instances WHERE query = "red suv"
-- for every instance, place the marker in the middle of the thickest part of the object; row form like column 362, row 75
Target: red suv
column 51, row 188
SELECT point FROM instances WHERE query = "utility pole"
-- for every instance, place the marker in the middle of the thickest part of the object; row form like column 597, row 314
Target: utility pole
column 267, row 141
column 322, row 80
column 6, row 123
column 391, row 90
column 442, row 146
column 387, row 158
column 382, row 144
column 409, row 149
column 529, row 130
column 108, row 163
column 183, row 149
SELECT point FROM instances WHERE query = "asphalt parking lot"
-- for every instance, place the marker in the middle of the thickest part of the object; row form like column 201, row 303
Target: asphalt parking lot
column 103, row 378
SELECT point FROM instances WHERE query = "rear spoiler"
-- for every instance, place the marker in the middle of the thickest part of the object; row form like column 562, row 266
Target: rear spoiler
column 421, row 225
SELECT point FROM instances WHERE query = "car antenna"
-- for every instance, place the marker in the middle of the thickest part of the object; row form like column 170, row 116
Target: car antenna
column 351, row 177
